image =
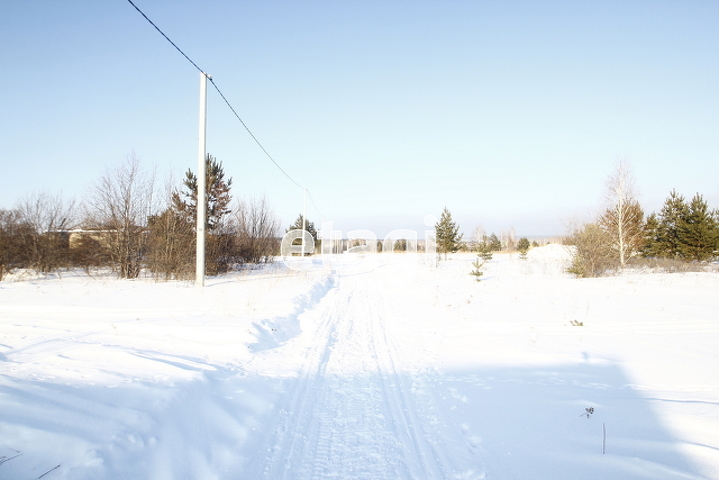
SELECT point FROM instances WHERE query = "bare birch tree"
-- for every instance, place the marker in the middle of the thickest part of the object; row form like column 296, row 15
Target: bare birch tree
column 479, row 236
column 623, row 217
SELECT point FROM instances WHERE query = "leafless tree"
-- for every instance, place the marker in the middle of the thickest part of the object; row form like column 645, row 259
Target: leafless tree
column 11, row 239
column 47, row 219
column 479, row 236
column 623, row 217
column 256, row 231
column 119, row 207
column 509, row 240
column 171, row 242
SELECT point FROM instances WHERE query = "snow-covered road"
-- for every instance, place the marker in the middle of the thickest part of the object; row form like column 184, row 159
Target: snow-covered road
column 353, row 413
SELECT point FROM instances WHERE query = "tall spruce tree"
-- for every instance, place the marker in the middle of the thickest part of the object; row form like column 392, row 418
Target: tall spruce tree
column 698, row 231
column 447, row 231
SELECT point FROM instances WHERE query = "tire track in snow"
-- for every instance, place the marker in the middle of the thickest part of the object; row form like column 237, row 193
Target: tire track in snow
column 352, row 414
column 294, row 419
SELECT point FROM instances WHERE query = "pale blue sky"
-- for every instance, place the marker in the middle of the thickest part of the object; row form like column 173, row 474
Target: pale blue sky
column 511, row 114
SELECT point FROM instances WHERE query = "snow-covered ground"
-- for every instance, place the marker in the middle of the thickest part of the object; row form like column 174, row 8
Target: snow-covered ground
column 371, row 370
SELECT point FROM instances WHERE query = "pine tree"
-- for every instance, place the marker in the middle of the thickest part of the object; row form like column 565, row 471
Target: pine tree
column 485, row 251
column 447, row 231
column 495, row 245
column 219, row 249
column 698, row 231
column 523, row 247
column 309, row 226
column 217, row 195
column 651, row 246
column 478, row 264
column 667, row 233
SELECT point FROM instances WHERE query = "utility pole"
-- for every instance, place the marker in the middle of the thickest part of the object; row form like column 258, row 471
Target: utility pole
column 304, row 223
column 201, row 187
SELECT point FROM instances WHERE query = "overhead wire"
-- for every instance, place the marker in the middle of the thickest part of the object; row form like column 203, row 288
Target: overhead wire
column 315, row 205
column 212, row 81
column 166, row 37
column 251, row 134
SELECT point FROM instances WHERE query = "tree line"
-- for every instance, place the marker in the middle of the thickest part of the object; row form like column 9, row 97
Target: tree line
column 682, row 231
column 449, row 240
column 128, row 225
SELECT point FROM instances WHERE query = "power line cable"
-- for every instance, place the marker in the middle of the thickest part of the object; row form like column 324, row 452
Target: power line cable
column 251, row 134
column 314, row 205
column 225, row 99
column 166, row 37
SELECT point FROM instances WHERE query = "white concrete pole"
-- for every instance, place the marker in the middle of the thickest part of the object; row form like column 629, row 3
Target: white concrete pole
column 201, row 187
column 304, row 223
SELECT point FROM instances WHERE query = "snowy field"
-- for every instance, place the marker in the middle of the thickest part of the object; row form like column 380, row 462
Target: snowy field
column 363, row 370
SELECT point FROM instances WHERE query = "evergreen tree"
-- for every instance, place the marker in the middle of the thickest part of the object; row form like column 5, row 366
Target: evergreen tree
column 217, row 195
column 400, row 245
column 494, row 244
column 698, row 231
column 478, row 264
column 219, row 249
column 667, row 233
column 523, row 244
column 309, row 226
column 447, row 232
column 651, row 246
column 485, row 251
column 523, row 247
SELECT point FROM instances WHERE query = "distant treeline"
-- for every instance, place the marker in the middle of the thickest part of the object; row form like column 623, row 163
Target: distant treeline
column 682, row 231
column 128, row 225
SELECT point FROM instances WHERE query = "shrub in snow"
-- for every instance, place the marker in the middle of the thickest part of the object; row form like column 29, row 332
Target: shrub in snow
column 593, row 256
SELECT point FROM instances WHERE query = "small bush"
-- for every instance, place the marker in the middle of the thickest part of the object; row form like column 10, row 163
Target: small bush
column 593, row 256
